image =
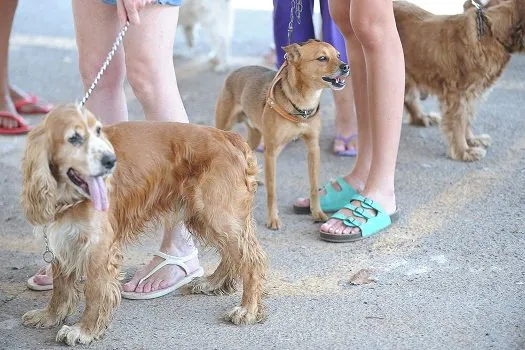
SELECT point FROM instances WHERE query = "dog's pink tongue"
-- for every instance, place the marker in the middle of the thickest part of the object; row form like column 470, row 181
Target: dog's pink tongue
column 99, row 193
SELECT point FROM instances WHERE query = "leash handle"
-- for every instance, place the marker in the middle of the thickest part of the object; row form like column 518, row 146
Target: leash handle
column 105, row 65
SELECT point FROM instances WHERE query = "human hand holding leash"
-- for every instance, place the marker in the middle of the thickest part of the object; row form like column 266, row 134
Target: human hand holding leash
column 129, row 9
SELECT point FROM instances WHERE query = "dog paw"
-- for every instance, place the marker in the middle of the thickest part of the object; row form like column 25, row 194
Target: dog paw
column 72, row 335
column 319, row 216
column 470, row 154
column 273, row 223
column 482, row 140
column 40, row 318
column 241, row 316
column 426, row 120
column 203, row 285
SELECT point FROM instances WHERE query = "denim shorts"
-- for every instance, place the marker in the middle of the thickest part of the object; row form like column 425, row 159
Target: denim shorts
column 160, row 2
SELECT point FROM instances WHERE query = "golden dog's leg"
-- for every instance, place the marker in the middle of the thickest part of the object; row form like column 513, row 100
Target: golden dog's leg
column 102, row 292
column 414, row 111
column 63, row 303
column 251, row 261
column 271, row 152
column 222, row 281
column 481, row 140
column 456, row 118
column 314, row 160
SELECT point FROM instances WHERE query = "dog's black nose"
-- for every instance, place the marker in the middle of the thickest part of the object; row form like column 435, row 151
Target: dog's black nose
column 108, row 160
column 344, row 67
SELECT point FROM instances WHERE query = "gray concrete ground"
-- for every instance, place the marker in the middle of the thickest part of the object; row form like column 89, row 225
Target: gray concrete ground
column 449, row 275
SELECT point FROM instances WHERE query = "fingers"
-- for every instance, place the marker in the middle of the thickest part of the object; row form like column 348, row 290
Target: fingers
column 121, row 12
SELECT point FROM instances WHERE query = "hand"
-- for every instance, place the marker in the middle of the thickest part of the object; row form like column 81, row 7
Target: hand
column 129, row 9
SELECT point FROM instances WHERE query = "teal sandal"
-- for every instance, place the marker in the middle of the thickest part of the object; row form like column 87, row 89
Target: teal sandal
column 373, row 223
column 333, row 200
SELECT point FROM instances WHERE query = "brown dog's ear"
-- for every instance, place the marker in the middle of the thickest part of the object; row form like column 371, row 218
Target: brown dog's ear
column 39, row 186
column 292, row 52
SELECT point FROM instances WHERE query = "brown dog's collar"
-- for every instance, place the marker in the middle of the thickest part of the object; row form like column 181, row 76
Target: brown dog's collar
column 270, row 100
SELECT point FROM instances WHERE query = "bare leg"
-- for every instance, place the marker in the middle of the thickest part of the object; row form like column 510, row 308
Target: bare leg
column 376, row 57
column 345, row 120
column 7, row 13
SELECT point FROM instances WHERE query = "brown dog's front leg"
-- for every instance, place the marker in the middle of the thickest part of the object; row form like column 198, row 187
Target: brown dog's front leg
column 314, row 161
column 63, row 302
column 102, row 292
column 270, row 162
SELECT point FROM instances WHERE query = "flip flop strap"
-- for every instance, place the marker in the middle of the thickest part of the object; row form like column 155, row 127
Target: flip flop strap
column 171, row 260
column 346, row 140
column 30, row 99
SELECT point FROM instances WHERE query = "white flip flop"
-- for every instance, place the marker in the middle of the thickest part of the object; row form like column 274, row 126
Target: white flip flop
column 168, row 260
column 31, row 284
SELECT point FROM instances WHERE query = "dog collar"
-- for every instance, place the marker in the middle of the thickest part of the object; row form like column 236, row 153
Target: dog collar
column 301, row 117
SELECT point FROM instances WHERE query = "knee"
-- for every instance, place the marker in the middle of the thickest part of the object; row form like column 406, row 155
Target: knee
column 143, row 78
column 89, row 66
column 341, row 20
column 372, row 28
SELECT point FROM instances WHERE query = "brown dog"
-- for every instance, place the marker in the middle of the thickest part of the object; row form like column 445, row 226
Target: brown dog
column 457, row 64
column 283, row 106
column 90, row 202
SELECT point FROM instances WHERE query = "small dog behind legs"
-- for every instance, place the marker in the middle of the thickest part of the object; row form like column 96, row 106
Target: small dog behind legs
column 215, row 18
column 281, row 106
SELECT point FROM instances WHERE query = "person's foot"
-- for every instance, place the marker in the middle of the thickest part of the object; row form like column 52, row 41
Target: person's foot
column 165, row 277
column 356, row 184
column 25, row 103
column 42, row 280
column 337, row 227
column 7, row 107
column 345, row 145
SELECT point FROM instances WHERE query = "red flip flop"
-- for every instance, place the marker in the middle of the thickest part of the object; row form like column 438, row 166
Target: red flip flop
column 21, row 105
column 22, row 127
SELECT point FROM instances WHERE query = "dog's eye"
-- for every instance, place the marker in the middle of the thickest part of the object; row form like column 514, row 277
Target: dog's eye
column 76, row 139
column 322, row 59
column 98, row 130
column 338, row 55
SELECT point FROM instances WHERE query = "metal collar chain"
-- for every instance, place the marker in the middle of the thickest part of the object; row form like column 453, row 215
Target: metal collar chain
column 480, row 18
column 295, row 11
column 48, row 256
column 111, row 53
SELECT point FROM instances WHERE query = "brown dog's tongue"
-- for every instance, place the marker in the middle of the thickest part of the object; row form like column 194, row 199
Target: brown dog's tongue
column 99, row 193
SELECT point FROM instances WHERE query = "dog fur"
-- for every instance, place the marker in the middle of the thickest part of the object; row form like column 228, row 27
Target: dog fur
column 215, row 18
column 484, row 3
column 166, row 172
column 244, row 99
column 457, row 66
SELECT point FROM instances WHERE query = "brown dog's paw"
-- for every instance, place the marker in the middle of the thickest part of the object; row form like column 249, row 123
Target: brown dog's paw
column 40, row 318
column 240, row 316
column 426, row 120
column 72, row 335
column 482, row 140
column 273, row 223
column 203, row 285
column 471, row 154
column 319, row 216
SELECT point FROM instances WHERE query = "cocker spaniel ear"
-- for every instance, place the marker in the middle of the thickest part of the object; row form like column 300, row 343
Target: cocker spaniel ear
column 39, row 186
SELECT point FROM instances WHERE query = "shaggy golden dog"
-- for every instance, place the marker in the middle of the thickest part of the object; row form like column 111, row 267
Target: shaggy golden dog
column 445, row 56
column 93, row 189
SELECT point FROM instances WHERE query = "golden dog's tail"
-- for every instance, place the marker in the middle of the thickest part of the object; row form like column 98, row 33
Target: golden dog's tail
column 251, row 169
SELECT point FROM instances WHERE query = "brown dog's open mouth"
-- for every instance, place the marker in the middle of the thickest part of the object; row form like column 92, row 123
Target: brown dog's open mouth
column 78, row 180
column 338, row 82
column 95, row 188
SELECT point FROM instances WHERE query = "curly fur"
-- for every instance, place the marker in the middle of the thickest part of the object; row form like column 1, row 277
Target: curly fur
column 173, row 172
column 456, row 65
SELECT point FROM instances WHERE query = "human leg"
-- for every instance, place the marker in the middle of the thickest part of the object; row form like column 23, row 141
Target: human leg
column 371, row 26
column 7, row 14
column 96, row 27
column 151, row 74
column 345, row 141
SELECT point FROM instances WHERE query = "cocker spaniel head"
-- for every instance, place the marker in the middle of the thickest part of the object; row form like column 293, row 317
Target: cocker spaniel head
column 67, row 160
